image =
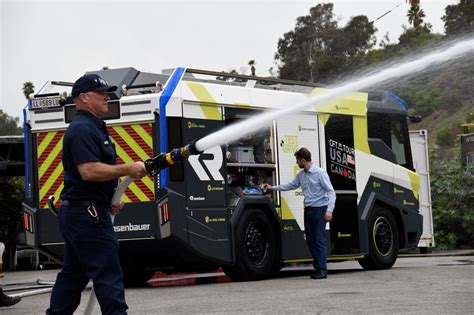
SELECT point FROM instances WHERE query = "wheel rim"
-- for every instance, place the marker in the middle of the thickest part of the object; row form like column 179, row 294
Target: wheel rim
column 383, row 236
column 256, row 244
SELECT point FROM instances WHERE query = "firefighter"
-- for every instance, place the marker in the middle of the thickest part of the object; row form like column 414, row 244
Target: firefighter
column 91, row 249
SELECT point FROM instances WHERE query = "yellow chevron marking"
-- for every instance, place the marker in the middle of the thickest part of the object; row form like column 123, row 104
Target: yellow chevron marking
column 44, row 144
column 200, row 92
column 211, row 112
column 57, row 193
column 361, row 134
column 286, row 213
column 324, row 118
column 138, row 192
column 133, row 187
column 52, row 155
column 149, row 183
column 354, row 103
column 143, row 134
column 415, row 183
column 131, row 143
column 121, row 153
column 51, row 180
column 125, row 199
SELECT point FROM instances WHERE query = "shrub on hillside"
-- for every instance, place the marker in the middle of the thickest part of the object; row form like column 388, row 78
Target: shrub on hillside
column 452, row 191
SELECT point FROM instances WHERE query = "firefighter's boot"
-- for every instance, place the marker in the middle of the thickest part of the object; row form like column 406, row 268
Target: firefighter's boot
column 6, row 300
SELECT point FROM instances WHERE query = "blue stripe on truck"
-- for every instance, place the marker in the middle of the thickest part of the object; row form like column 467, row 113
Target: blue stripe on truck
column 164, row 99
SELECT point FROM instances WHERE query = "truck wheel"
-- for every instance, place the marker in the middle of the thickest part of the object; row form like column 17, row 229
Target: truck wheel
column 255, row 247
column 383, row 241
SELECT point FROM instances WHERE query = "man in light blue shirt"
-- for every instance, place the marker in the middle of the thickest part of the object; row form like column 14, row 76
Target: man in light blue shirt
column 319, row 202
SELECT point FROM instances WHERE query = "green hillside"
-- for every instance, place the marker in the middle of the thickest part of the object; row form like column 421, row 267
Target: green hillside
column 320, row 50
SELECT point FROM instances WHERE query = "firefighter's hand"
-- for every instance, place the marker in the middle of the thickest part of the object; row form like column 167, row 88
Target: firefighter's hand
column 137, row 170
column 328, row 216
column 115, row 208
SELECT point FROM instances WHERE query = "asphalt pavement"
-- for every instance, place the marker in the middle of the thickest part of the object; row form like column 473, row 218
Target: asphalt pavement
column 428, row 284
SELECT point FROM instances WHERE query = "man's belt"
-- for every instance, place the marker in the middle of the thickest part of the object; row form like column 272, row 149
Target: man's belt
column 76, row 203
column 308, row 207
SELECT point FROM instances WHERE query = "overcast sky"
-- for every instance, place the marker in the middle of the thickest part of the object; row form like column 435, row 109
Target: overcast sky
column 61, row 40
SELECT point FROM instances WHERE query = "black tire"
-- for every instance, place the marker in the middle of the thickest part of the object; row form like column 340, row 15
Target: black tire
column 383, row 240
column 255, row 247
column 133, row 278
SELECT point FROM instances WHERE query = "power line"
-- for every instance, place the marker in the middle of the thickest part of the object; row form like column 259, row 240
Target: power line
column 386, row 13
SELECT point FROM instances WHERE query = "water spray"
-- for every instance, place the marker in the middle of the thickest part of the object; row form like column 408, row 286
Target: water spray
column 234, row 132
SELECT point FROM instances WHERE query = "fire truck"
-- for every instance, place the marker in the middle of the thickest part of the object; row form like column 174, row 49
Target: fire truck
column 209, row 210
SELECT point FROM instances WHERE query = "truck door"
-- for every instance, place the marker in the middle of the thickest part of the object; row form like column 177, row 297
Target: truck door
column 293, row 132
column 419, row 150
column 341, row 167
column 206, row 192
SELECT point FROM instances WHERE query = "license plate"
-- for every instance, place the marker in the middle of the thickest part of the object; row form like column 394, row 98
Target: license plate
column 45, row 102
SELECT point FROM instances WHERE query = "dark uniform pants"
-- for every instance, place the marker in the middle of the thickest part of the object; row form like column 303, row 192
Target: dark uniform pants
column 315, row 229
column 90, row 252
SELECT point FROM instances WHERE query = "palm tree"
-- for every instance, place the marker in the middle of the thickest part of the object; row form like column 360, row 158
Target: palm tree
column 28, row 88
column 415, row 15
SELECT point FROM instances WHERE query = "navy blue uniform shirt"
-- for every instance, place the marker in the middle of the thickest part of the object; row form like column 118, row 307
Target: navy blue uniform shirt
column 87, row 140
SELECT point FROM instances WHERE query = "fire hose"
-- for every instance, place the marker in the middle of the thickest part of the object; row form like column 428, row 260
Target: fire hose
column 153, row 166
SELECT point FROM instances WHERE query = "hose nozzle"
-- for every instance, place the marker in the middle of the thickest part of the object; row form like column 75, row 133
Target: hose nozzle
column 163, row 160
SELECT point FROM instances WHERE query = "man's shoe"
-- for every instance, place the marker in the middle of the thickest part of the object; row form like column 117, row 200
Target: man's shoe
column 319, row 275
column 6, row 300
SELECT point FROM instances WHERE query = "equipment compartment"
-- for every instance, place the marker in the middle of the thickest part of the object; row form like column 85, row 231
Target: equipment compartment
column 241, row 154
column 250, row 160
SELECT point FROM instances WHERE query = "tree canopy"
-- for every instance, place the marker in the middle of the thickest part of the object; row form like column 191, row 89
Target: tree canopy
column 318, row 50
column 459, row 18
column 9, row 125
column 11, row 189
